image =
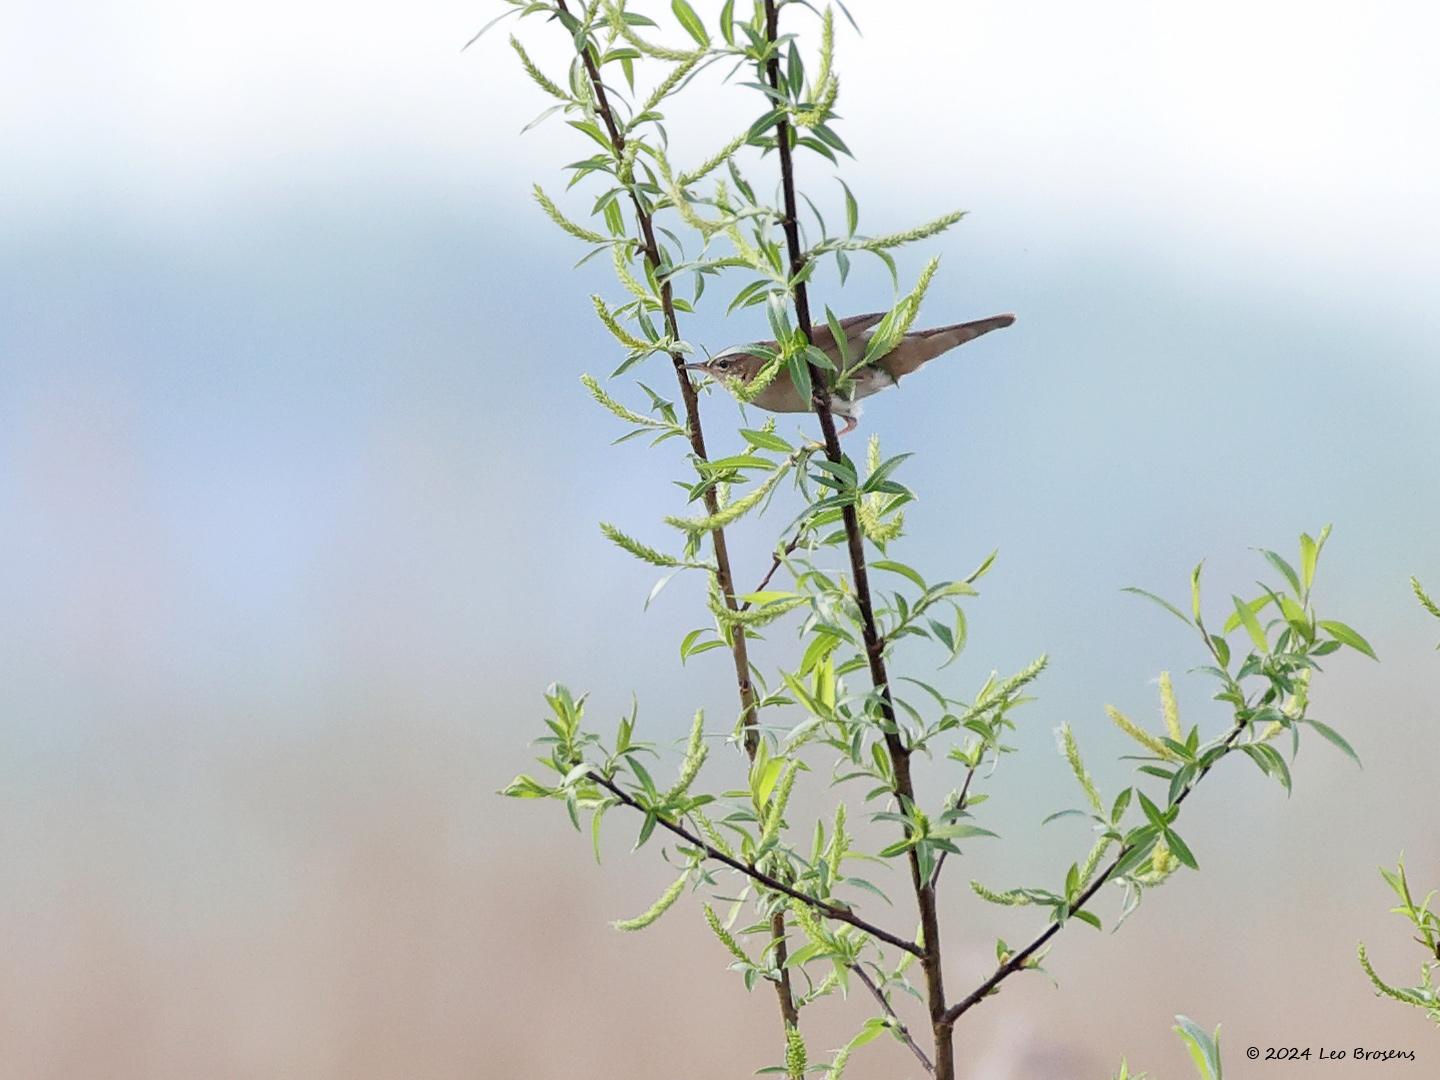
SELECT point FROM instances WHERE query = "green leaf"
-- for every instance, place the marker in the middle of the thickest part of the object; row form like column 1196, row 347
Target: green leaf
column 1269, row 761
column 1152, row 812
column 1309, row 556
column 901, row 569
column 1346, row 636
column 766, row 780
column 595, row 820
column 526, row 787
column 852, row 210
column 1204, row 1049
column 1251, row 624
column 1286, row 569
column 1256, row 606
column 766, row 440
column 1180, row 849
column 727, row 22
column 959, row 832
column 1138, row 851
column 800, row 375
column 643, row 776
column 1336, row 739
column 1121, row 804
column 690, row 21
column 1155, row 599
column 487, row 26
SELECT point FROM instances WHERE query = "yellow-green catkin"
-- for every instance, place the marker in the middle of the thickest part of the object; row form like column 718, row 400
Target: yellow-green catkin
column 869, row 508
column 1009, row 898
column 1140, row 735
column 1169, row 709
column 607, row 318
column 670, row 82
column 553, row 213
column 536, row 75
column 643, row 552
column 628, row 279
column 635, row 41
column 725, row 937
column 710, row 164
column 1383, row 988
column 920, row 232
column 1424, row 598
column 775, row 812
column 916, row 298
column 827, row 984
column 732, row 511
column 796, row 1057
column 713, row 835
column 755, row 616
column 695, row 753
column 1163, row 863
column 1293, row 706
column 683, row 206
column 1071, row 750
column 626, row 170
column 748, row 392
column 610, row 404
column 662, row 905
column 826, row 86
column 839, row 844
column 805, row 918
column 1092, row 860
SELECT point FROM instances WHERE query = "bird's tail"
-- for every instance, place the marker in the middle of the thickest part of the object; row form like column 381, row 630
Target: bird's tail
column 922, row 346
column 944, row 338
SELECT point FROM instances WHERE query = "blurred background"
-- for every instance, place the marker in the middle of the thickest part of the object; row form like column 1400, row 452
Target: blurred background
column 298, row 492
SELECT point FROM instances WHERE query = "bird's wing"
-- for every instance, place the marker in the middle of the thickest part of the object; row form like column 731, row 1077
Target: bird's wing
column 853, row 327
column 923, row 346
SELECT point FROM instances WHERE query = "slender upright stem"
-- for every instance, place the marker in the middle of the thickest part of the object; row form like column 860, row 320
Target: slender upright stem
column 739, row 652
column 874, row 644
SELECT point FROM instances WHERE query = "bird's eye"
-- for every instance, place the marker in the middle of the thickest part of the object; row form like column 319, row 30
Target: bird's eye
column 722, row 364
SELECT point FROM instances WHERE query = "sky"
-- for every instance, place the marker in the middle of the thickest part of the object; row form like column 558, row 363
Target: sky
column 299, row 491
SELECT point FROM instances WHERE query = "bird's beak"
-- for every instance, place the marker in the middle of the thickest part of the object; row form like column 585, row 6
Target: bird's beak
column 699, row 365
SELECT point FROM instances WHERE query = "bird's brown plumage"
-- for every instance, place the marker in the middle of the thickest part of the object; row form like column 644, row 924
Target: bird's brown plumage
column 915, row 349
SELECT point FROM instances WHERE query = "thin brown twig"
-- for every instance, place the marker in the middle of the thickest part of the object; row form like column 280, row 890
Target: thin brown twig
column 1018, row 961
column 823, row 907
column 874, row 644
column 959, row 805
column 900, row 1027
column 780, row 556
column 724, row 578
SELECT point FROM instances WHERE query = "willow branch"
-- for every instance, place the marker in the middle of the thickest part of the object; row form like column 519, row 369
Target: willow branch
column 874, row 644
column 651, row 249
column 959, row 805
column 1019, row 960
column 821, row 907
column 780, row 557
column 724, row 579
column 900, row 1027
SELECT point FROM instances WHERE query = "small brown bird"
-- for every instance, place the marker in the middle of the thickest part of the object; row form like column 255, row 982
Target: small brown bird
column 913, row 352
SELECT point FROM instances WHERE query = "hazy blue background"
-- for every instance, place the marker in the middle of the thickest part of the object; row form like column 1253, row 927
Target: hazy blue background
column 298, row 493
